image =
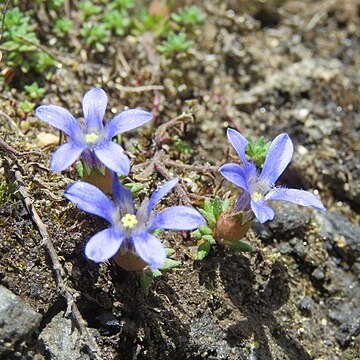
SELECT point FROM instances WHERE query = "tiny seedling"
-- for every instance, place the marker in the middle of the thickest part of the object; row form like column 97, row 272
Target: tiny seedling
column 96, row 35
column 175, row 43
column 34, row 90
column 117, row 21
column 189, row 16
column 63, row 27
column 256, row 150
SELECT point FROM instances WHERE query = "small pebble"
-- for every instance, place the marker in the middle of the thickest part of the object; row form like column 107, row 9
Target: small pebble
column 306, row 304
column 44, row 140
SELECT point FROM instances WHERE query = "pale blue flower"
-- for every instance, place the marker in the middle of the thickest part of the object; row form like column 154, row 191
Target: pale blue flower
column 260, row 186
column 131, row 229
column 92, row 140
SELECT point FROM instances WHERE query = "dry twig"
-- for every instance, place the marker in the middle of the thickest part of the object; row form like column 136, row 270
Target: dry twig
column 10, row 156
column 161, row 130
column 12, row 123
column 138, row 88
column 42, row 48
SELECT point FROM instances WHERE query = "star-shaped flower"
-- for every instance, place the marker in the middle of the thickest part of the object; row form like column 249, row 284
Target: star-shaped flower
column 131, row 229
column 92, row 140
column 260, row 186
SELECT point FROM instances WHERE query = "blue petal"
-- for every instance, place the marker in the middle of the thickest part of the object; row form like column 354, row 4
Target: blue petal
column 243, row 202
column 261, row 211
column 278, row 158
column 94, row 106
column 239, row 143
column 122, row 195
column 112, row 155
column 299, row 197
column 235, row 174
column 66, row 155
column 150, row 249
column 127, row 120
column 177, row 218
column 89, row 198
column 160, row 192
column 104, row 245
column 61, row 119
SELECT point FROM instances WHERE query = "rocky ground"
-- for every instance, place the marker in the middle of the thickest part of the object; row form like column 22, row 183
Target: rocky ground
column 262, row 67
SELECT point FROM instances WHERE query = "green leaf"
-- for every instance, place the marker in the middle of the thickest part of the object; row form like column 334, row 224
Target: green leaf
column 239, row 246
column 197, row 234
column 225, row 204
column 80, row 170
column 209, row 217
column 156, row 232
column 207, row 205
column 205, row 230
column 170, row 264
column 145, row 282
column 156, row 273
column 202, row 250
column 217, row 207
column 134, row 187
column 209, row 239
column 169, row 252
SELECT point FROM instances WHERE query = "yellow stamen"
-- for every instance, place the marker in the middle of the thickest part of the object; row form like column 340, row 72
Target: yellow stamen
column 129, row 221
column 91, row 138
column 256, row 196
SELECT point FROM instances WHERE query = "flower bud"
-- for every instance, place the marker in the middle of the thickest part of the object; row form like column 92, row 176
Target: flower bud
column 231, row 227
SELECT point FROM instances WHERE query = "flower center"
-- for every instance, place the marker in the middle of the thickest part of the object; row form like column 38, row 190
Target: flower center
column 91, row 138
column 256, row 196
column 129, row 221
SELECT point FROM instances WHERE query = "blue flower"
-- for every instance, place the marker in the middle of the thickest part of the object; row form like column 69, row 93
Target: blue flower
column 131, row 229
column 260, row 188
column 93, row 141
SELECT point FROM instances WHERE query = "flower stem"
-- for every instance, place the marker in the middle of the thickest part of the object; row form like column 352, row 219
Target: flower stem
column 129, row 261
column 103, row 181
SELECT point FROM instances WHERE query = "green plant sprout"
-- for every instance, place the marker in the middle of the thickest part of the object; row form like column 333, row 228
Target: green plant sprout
column 117, row 21
column 189, row 16
column 56, row 4
column 175, row 43
column 88, row 9
column 19, row 43
column 34, row 91
column 143, row 22
column 180, row 146
column 96, row 35
column 26, row 107
column 256, row 150
column 122, row 4
column 63, row 27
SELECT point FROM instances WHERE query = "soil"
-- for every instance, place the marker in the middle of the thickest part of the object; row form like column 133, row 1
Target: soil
column 262, row 67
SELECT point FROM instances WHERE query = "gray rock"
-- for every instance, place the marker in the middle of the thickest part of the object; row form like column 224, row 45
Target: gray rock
column 341, row 235
column 219, row 347
column 343, row 305
column 299, row 247
column 305, row 305
column 62, row 339
column 17, row 320
column 349, row 328
column 290, row 220
column 318, row 274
